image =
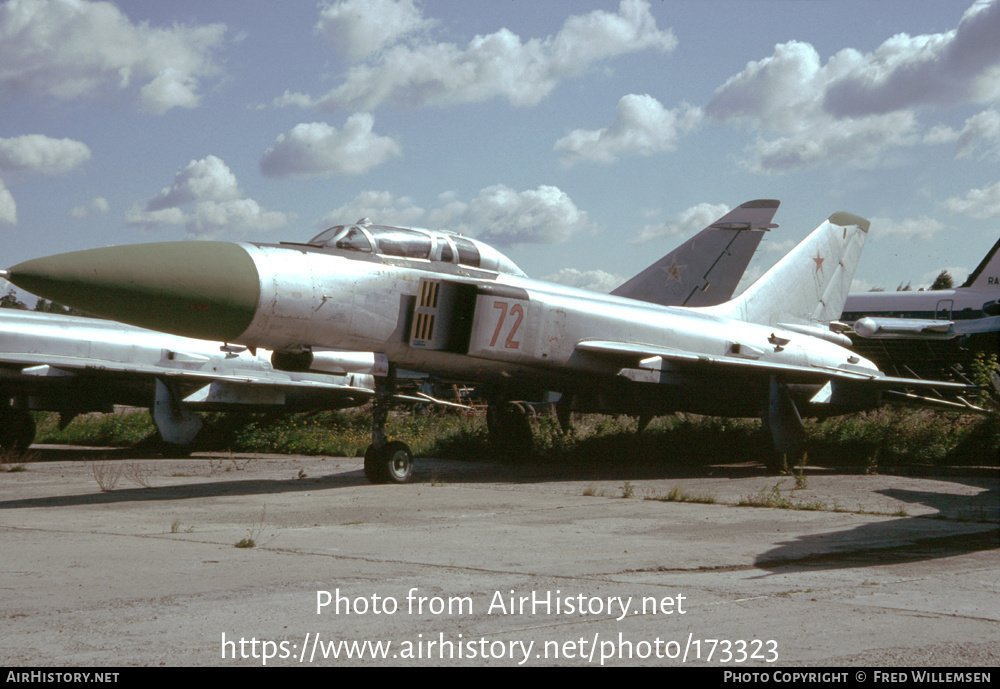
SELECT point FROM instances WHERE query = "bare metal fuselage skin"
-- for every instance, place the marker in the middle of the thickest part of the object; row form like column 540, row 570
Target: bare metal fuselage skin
column 466, row 324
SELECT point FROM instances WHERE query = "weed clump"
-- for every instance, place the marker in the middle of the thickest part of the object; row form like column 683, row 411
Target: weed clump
column 678, row 494
column 774, row 498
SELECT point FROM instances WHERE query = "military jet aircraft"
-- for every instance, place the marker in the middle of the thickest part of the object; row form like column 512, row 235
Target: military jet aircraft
column 75, row 365
column 451, row 306
column 72, row 365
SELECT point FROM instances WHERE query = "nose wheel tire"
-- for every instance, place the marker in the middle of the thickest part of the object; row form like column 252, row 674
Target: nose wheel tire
column 391, row 463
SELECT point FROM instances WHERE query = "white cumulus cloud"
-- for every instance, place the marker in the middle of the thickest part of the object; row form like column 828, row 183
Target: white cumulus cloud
column 857, row 106
column 8, row 209
column 200, row 180
column 981, row 132
column 923, row 228
column 205, row 197
column 358, row 28
column 686, row 224
column 71, row 48
column 642, row 126
column 504, row 217
column 232, row 217
column 981, row 203
column 496, row 65
column 594, row 280
column 781, row 96
column 37, row 153
column 98, row 206
column 381, row 207
column 961, row 65
column 498, row 215
column 318, row 149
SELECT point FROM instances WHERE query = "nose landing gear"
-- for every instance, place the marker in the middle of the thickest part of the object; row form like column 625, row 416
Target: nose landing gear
column 386, row 461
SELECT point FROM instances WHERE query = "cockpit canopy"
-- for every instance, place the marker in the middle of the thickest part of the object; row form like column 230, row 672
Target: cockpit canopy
column 406, row 242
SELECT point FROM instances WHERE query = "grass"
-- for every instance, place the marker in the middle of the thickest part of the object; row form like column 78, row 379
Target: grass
column 774, row 498
column 138, row 473
column 678, row 494
column 254, row 531
column 106, row 473
column 120, row 429
column 881, row 439
column 177, row 527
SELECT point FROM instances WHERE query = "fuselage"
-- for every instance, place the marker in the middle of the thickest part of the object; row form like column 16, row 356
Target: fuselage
column 446, row 305
column 501, row 328
column 947, row 304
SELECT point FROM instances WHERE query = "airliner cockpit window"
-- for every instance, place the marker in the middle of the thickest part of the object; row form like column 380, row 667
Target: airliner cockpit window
column 393, row 241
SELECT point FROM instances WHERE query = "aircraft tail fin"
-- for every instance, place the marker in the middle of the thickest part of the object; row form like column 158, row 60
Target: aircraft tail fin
column 987, row 273
column 810, row 284
column 706, row 269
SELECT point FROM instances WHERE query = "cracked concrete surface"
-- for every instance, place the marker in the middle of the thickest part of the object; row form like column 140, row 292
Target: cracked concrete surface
column 887, row 571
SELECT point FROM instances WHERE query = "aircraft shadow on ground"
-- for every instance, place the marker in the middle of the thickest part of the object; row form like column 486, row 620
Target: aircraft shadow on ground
column 916, row 538
column 191, row 491
column 962, row 525
column 428, row 470
column 864, row 546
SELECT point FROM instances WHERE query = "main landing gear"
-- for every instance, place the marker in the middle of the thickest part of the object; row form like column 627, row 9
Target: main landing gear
column 781, row 421
column 17, row 429
column 386, row 461
column 509, row 427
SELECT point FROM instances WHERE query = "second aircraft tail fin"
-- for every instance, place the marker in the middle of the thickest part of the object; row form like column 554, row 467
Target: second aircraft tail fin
column 987, row 274
column 706, row 269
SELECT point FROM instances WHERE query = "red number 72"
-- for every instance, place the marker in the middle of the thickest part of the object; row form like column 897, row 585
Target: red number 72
column 516, row 310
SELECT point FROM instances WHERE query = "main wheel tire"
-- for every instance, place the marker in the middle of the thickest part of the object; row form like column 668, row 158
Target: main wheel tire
column 391, row 463
column 510, row 431
column 397, row 462
column 774, row 462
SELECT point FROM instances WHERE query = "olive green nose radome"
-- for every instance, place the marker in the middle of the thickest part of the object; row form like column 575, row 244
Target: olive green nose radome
column 208, row 290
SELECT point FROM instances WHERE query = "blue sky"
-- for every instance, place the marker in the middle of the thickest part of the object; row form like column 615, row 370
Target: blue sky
column 584, row 139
